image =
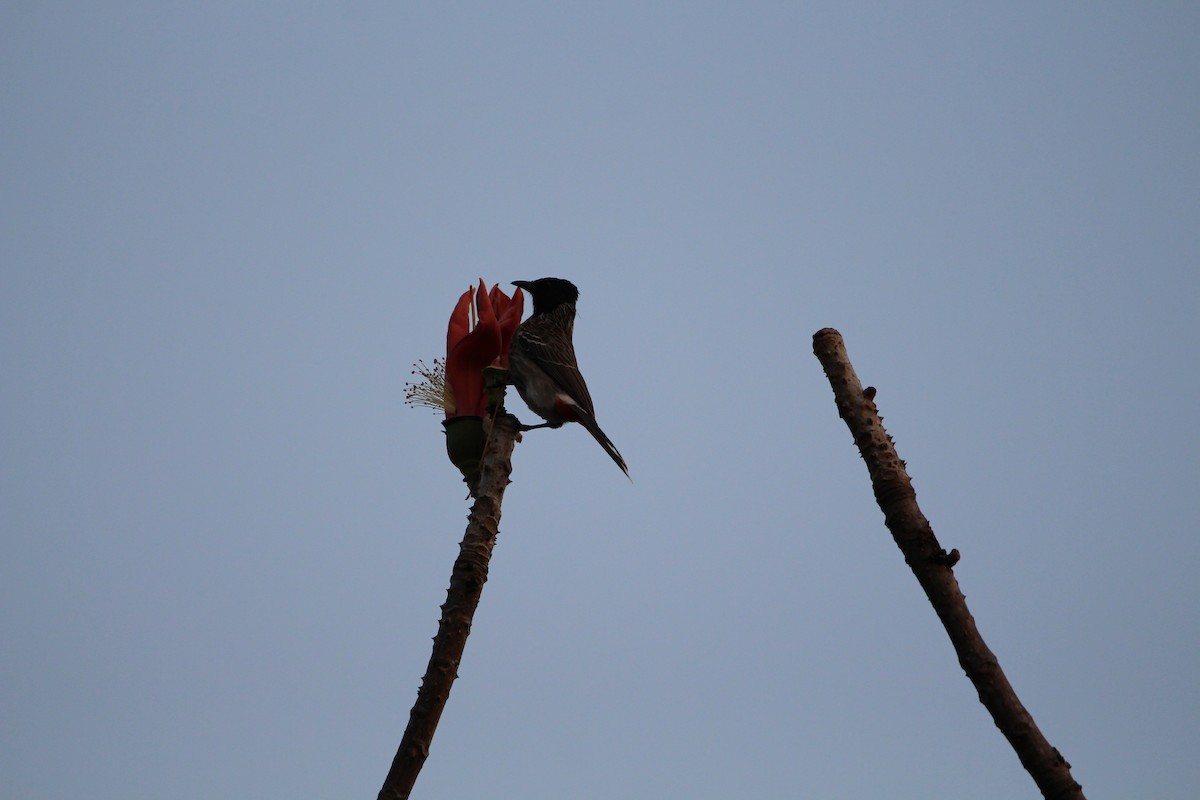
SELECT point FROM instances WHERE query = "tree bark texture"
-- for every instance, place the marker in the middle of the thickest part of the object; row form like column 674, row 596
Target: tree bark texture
column 466, row 585
column 933, row 568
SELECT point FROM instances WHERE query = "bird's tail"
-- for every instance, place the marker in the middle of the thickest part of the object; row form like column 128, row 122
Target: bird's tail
column 588, row 421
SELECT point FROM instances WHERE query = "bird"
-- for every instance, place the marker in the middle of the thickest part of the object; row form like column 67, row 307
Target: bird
column 541, row 363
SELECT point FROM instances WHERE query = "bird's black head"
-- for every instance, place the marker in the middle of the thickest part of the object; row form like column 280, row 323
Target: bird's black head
column 549, row 293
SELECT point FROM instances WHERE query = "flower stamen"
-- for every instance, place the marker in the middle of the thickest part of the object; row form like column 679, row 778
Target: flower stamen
column 432, row 390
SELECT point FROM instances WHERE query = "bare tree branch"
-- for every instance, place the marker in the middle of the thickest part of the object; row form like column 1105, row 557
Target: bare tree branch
column 933, row 568
column 466, row 585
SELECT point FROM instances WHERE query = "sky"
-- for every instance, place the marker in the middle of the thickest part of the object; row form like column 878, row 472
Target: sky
column 227, row 232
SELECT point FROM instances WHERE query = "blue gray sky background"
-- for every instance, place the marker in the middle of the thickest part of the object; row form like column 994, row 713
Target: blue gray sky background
column 227, row 230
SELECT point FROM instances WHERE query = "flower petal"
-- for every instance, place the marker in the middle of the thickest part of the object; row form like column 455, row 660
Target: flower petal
column 509, row 317
column 460, row 320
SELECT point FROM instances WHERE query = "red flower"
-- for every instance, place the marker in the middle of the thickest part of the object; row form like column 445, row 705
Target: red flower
column 469, row 350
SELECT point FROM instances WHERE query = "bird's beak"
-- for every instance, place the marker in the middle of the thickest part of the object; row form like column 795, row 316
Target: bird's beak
column 520, row 284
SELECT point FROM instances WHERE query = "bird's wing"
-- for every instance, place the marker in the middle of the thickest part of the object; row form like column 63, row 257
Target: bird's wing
column 550, row 347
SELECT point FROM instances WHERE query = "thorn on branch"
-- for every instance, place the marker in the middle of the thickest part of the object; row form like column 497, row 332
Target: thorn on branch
column 947, row 560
